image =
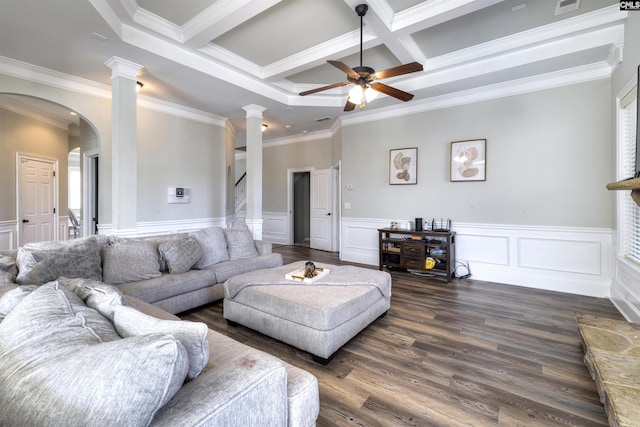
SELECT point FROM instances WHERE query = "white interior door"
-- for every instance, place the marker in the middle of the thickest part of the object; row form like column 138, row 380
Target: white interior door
column 36, row 199
column 322, row 209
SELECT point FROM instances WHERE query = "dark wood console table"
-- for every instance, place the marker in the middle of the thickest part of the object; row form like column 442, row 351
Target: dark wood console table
column 409, row 249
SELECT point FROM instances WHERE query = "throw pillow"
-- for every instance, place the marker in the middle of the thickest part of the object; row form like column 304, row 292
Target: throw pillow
column 43, row 262
column 180, row 254
column 56, row 367
column 130, row 261
column 130, row 322
column 240, row 241
column 214, row 246
column 101, row 297
column 12, row 297
column 8, row 264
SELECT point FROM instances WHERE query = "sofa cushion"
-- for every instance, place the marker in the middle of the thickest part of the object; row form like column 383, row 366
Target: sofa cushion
column 43, row 262
column 169, row 285
column 101, row 297
column 228, row 269
column 213, row 244
column 61, row 365
column 12, row 297
column 240, row 241
column 130, row 261
column 180, row 254
column 130, row 322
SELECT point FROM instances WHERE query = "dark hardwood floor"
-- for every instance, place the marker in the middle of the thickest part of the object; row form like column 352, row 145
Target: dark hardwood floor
column 466, row 353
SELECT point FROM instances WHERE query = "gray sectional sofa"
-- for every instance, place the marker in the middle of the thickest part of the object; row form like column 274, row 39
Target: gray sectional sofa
column 79, row 352
column 176, row 272
column 87, row 336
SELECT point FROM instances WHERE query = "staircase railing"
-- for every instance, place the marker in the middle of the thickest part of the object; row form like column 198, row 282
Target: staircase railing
column 241, row 191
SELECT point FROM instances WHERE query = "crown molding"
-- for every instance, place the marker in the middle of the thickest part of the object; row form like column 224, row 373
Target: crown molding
column 514, row 87
column 45, row 76
column 300, row 138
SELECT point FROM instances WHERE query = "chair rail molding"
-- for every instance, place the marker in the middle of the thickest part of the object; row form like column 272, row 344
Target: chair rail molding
column 156, row 228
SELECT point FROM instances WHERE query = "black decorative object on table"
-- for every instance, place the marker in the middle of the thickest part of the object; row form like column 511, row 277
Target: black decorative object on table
column 309, row 270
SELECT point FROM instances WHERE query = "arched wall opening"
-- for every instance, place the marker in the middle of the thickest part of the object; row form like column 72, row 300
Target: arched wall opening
column 40, row 128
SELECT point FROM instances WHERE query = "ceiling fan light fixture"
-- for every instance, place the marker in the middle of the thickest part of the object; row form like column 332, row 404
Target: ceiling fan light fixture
column 356, row 94
column 370, row 94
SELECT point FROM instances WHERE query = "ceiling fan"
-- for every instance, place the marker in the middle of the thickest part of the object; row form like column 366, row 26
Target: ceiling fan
column 364, row 77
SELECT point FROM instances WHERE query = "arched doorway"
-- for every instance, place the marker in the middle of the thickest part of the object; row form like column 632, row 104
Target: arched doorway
column 38, row 129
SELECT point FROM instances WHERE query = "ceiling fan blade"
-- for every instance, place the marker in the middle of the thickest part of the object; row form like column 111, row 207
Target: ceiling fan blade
column 320, row 89
column 411, row 67
column 349, row 106
column 345, row 68
column 392, row 91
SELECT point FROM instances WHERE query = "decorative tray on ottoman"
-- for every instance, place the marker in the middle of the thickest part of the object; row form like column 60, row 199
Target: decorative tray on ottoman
column 298, row 275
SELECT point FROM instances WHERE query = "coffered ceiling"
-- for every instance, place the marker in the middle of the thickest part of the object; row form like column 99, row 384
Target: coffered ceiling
column 217, row 56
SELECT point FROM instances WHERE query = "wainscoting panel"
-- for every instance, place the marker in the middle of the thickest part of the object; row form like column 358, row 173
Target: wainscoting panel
column 8, row 235
column 483, row 248
column 276, row 228
column 565, row 259
column 63, row 228
column 625, row 289
column 157, row 228
column 560, row 255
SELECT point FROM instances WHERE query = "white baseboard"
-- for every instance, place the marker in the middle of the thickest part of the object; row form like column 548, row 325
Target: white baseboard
column 564, row 259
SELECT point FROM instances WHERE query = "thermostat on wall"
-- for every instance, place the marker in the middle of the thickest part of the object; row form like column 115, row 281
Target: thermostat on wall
column 178, row 195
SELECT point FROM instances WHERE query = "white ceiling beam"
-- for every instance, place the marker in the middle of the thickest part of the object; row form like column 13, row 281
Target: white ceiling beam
column 220, row 17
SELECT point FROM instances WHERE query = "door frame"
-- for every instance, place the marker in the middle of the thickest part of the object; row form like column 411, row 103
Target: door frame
column 290, row 194
column 88, row 176
column 56, row 204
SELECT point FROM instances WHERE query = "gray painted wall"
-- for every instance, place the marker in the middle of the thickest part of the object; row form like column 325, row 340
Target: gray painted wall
column 278, row 159
column 162, row 159
column 174, row 152
column 549, row 156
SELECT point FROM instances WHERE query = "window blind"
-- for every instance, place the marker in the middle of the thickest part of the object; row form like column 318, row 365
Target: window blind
column 631, row 211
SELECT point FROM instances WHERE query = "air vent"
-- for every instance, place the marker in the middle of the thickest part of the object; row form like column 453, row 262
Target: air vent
column 323, row 119
column 564, row 6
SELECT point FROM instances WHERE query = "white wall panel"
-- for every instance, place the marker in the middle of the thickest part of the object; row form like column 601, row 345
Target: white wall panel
column 625, row 289
column 8, row 239
column 276, row 228
column 483, row 249
column 560, row 255
column 157, row 228
column 564, row 259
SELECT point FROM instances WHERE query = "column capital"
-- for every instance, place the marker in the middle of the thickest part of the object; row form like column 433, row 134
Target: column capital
column 254, row 110
column 123, row 68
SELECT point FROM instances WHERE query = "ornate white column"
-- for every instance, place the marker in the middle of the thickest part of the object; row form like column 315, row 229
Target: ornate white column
column 124, row 149
column 254, row 169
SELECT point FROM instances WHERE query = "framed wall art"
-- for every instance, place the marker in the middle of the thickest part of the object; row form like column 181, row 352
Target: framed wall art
column 403, row 166
column 469, row 160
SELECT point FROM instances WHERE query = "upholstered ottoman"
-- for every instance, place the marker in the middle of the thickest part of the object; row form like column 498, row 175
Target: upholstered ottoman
column 317, row 317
